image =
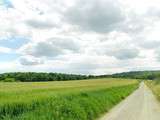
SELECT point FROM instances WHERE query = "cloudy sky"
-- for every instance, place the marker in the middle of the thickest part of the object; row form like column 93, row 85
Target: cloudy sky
column 79, row 36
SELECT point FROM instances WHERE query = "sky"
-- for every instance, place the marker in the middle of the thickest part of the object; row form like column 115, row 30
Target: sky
column 79, row 36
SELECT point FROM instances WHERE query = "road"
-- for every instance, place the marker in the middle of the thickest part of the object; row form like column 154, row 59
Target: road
column 140, row 105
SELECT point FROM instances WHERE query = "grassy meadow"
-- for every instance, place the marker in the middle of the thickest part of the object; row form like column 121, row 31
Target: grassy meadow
column 62, row 100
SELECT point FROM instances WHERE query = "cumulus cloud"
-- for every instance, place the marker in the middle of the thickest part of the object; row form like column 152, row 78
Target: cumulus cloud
column 157, row 54
column 121, row 53
column 5, row 50
column 41, row 49
column 149, row 44
column 52, row 47
column 39, row 24
column 30, row 60
column 125, row 53
column 71, row 35
column 98, row 16
column 117, row 45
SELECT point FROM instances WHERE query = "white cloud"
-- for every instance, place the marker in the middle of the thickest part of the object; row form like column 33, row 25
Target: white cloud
column 40, row 24
column 98, row 16
column 30, row 60
column 79, row 36
column 51, row 47
column 5, row 50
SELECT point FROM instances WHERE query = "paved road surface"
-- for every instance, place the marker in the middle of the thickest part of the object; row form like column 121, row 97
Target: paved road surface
column 140, row 105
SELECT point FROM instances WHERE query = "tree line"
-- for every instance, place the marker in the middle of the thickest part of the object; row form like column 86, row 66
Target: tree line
column 35, row 77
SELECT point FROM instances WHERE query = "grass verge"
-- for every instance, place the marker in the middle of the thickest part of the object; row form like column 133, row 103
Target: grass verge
column 155, row 87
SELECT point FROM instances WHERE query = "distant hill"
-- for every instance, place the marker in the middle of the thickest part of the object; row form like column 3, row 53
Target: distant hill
column 151, row 75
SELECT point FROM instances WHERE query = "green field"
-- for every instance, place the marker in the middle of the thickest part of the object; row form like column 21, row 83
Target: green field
column 62, row 100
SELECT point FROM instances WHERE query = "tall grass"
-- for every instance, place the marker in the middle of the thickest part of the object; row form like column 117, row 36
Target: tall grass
column 86, row 101
column 155, row 87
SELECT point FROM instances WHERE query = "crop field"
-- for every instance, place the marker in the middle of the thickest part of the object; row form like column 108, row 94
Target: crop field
column 62, row 100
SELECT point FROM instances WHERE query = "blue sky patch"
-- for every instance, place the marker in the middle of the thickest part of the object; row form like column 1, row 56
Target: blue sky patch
column 13, row 42
column 6, row 3
column 6, row 57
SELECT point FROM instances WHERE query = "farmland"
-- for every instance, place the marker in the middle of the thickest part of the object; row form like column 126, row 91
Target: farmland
column 62, row 100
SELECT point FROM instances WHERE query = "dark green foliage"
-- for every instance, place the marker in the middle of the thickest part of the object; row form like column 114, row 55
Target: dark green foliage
column 33, row 76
